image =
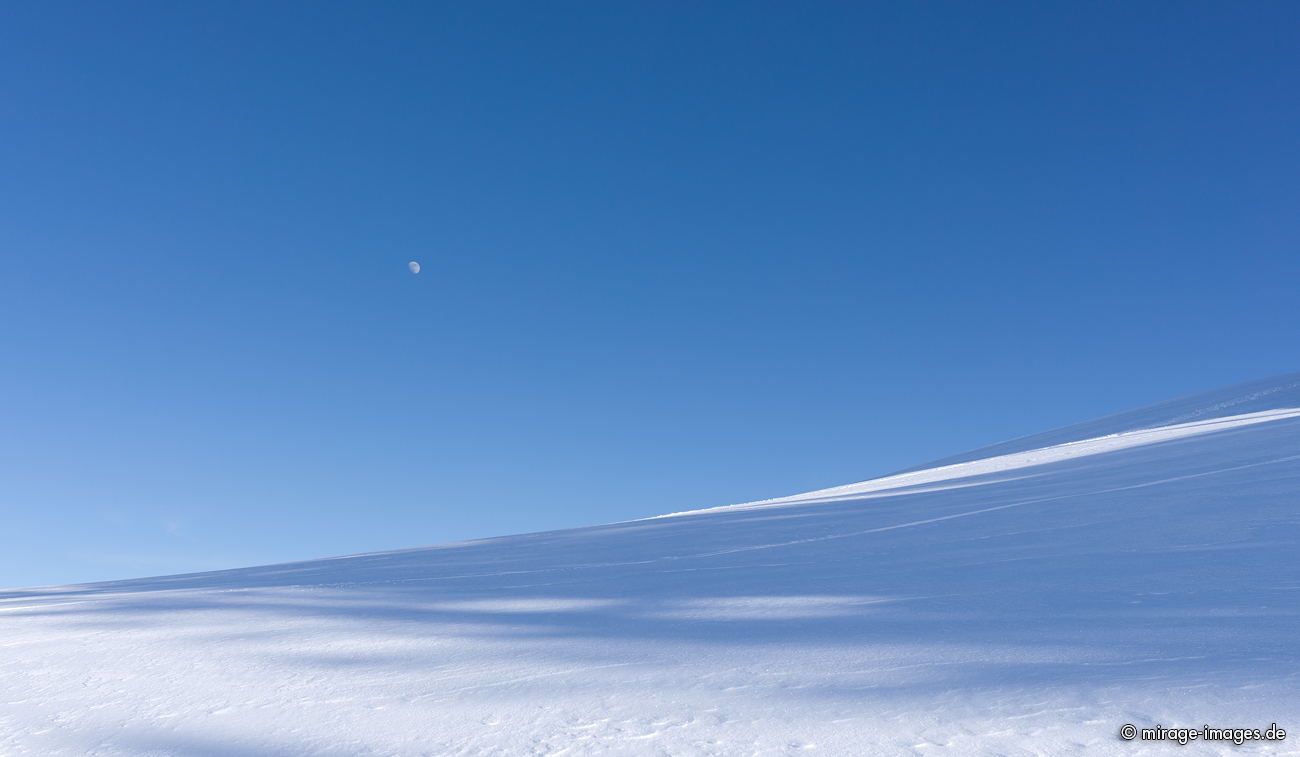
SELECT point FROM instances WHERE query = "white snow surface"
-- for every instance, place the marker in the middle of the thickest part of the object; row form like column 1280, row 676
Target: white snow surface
column 1027, row 599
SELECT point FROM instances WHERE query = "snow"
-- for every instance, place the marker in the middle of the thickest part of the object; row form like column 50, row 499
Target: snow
column 904, row 483
column 1027, row 599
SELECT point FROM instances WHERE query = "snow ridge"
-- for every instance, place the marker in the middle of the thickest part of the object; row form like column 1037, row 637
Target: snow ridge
column 906, row 482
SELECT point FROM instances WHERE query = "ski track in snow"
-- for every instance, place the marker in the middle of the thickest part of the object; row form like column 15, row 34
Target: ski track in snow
column 1140, row 569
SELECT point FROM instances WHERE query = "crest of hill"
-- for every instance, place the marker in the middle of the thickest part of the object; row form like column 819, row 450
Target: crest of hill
column 1254, row 396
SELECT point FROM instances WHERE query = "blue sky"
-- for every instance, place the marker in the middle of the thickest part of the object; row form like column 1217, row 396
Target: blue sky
column 675, row 255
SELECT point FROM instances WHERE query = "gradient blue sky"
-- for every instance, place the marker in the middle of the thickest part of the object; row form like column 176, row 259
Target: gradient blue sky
column 675, row 255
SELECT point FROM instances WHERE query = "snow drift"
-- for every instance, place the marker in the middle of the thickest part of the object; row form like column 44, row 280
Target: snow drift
column 1031, row 597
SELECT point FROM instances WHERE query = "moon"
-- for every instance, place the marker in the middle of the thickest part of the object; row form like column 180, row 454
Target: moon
column 414, row 266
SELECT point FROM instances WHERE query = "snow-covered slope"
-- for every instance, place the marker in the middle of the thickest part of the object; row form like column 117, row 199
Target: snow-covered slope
column 1030, row 598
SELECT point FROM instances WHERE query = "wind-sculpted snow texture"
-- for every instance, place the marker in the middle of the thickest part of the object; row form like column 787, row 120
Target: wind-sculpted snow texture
column 1029, row 599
